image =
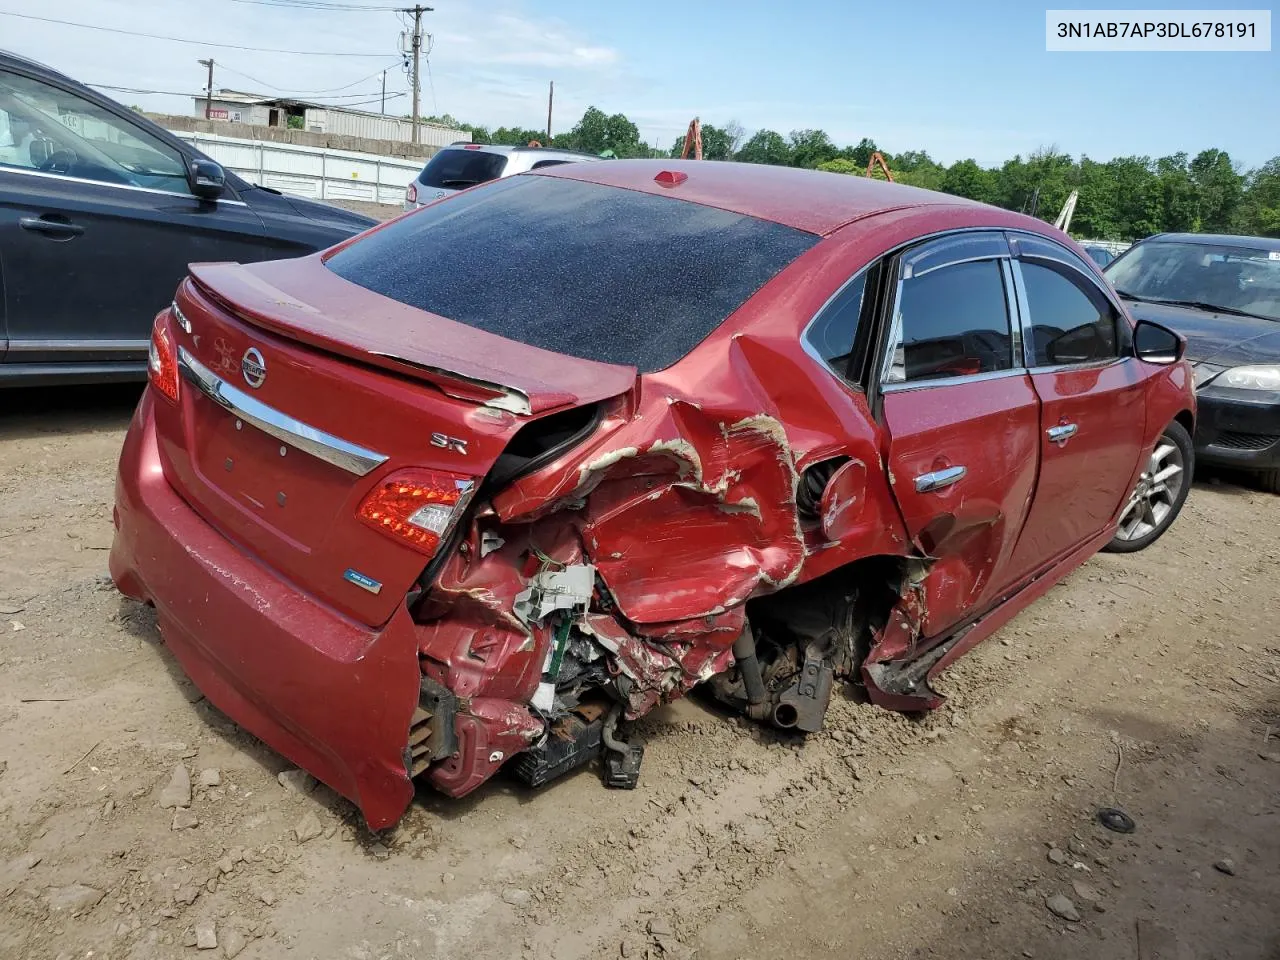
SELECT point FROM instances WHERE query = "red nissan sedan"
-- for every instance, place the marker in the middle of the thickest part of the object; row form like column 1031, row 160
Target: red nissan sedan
column 481, row 484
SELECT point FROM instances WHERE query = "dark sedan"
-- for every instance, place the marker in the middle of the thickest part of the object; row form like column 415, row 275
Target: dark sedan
column 1223, row 294
column 100, row 213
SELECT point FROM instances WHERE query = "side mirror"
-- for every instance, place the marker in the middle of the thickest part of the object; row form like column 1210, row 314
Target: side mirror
column 1156, row 344
column 207, row 179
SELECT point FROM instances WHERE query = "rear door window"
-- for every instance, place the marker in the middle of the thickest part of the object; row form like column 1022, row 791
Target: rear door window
column 462, row 168
column 952, row 321
column 591, row 271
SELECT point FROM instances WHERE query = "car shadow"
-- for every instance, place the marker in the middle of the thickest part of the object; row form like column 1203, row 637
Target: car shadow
column 30, row 412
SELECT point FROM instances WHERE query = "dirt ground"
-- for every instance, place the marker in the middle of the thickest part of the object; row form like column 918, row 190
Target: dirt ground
column 1149, row 682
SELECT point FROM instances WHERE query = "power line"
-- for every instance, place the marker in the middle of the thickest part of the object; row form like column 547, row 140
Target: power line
column 199, row 43
column 285, row 91
column 319, row 5
column 188, row 93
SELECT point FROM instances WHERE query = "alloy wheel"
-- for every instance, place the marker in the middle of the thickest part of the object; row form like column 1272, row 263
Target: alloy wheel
column 1152, row 502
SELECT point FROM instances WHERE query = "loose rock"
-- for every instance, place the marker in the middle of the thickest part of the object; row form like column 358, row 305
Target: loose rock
column 1084, row 891
column 75, row 897
column 177, row 793
column 298, row 781
column 308, row 828
column 206, row 935
column 1060, row 906
column 1057, row 856
column 516, row 897
column 185, row 820
column 1226, row 865
column 233, row 941
column 211, row 777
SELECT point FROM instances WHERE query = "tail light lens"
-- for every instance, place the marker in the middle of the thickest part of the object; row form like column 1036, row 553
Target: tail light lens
column 418, row 507
column 162, row 358
column 411, row 193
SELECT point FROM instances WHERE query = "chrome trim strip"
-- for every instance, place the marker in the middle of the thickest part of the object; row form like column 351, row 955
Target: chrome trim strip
column 27, row 172
column 1024, row 315
column 908, row 385
column 83, row 346
column 323, row 446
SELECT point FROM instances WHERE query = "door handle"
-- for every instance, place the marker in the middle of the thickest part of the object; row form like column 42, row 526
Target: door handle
column 1062, row 433
column 938, row 479
column 51, row 228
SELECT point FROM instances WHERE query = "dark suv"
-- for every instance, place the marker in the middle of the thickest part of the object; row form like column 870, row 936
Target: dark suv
column 100, row 213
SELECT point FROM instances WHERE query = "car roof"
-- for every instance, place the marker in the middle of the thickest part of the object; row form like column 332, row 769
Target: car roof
column 1226, row 239
column 807, row 200
column 508, row 150
column 8, row 57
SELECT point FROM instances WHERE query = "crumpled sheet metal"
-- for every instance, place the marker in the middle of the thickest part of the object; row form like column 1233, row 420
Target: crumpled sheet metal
column 684, row 501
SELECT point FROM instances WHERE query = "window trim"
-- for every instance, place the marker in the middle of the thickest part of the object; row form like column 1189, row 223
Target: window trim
column 894, row 329
column 1123, row 346
column 155, row 191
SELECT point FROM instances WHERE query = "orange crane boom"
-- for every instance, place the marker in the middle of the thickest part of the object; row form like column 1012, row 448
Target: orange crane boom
column 693, row 140
column 878, row 158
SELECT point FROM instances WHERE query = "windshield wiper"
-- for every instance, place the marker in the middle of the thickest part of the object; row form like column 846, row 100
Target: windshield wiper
column 458, row 183
column 1199, row 305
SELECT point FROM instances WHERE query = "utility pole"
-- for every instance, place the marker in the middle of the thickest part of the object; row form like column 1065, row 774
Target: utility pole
column 417, row 12
column 551, row 95
column 384, row 93
column 208, row 90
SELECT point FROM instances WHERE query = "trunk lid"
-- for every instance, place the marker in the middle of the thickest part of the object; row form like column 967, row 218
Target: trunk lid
column 289, row 415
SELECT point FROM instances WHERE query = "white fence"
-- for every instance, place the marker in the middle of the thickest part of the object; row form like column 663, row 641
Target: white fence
column 317, row 173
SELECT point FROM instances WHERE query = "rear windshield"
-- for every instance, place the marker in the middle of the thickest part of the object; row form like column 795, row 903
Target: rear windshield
column 591, row 271
column 462, row 168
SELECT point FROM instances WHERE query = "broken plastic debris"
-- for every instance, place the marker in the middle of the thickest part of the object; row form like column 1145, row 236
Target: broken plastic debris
column 552, row 590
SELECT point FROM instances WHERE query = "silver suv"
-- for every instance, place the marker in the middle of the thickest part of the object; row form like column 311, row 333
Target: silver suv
column 462, row 165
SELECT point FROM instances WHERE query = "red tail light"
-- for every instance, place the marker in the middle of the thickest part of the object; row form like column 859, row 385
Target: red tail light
column 419, row 507
column 411, row 192
column 162, row 358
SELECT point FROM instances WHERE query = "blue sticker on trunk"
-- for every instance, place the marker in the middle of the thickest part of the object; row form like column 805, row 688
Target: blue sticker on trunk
column 360, row 580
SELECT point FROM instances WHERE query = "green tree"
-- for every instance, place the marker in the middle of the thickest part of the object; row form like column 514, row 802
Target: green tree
column 517, row 136
column 811, row 147
column 841, row 165
column 1259, row 212
column 765, row 146
column 597, row 132
column 966, row 179
column 1219, row 189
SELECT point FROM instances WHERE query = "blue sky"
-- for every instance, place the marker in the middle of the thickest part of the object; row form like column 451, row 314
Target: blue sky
column 957, row 79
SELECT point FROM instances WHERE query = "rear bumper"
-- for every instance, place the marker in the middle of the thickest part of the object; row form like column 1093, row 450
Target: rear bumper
column 332, row 695
column 1238, row 428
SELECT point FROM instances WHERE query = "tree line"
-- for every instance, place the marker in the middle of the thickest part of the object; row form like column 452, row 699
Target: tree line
column 1124, row 198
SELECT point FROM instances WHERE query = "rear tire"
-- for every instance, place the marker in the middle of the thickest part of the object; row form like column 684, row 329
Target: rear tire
column 1161, row 491
column 1269, row 480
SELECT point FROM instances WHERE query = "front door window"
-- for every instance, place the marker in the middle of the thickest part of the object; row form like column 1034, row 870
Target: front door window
column 50, row 130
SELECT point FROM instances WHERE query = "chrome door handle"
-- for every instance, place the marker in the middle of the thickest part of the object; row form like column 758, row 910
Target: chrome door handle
column 59, row 229
column 938, row 479
column 1062, row 433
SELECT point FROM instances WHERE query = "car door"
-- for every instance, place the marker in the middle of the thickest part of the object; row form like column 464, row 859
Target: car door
column 962, row 419
column 97, row 225
column 1092, row 407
